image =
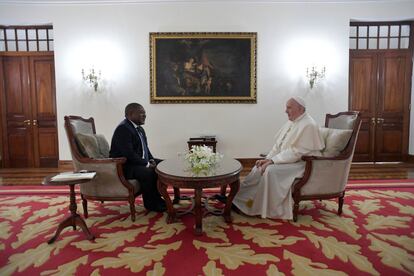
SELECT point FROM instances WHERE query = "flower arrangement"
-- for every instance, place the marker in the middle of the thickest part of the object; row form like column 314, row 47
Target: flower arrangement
column 202, row 158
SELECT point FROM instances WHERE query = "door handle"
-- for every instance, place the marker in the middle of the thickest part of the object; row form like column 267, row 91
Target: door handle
column 34, row 122
column 26, row 122
column 373, row 121
column 380, row 120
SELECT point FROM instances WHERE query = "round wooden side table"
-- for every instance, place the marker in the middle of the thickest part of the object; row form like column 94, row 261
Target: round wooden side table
column 74, row 219
column 174, row 172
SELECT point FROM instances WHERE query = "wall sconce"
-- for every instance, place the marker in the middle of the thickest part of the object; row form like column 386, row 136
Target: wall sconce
column 315, row 74
column 92, row 78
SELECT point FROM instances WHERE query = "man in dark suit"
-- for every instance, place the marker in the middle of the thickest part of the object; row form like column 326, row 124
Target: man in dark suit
column 129, row 140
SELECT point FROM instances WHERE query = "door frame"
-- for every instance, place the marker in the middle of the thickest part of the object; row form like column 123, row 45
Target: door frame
column 408, row 91
column 378, row 86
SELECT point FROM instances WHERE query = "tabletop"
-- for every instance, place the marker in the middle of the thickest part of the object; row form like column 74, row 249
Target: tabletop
column 179, row 167
column 48, row 181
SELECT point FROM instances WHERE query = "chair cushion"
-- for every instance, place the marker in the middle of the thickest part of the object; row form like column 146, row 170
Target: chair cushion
column 343, row 122
column 93, row 145
column 335, row 140
column 103, row 145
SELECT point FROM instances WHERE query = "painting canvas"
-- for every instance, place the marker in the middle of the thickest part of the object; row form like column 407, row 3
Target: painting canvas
column 203, row 67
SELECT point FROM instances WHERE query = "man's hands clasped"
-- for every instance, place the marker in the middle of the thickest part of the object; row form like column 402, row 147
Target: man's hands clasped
column 263, row 163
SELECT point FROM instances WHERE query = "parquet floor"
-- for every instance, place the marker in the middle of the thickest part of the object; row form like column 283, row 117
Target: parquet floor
column 34, row 176
column 382, row 171
column 28, row 176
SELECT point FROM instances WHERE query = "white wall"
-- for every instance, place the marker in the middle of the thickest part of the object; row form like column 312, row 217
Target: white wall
column 116, row 39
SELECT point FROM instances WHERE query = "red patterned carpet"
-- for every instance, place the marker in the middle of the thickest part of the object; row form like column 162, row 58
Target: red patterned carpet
column 374, row 236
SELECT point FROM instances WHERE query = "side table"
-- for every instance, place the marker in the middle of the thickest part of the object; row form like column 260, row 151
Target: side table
column 74, row 218
column 174, row 172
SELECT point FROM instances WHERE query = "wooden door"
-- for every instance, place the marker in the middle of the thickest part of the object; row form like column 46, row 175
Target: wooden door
column 29, row 131
column 362, row 97
column 43, row 111
column 17, row 133
column 379, row 87
column 392, row 108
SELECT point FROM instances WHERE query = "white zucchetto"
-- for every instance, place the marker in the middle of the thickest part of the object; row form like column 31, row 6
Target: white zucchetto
column 300, row 100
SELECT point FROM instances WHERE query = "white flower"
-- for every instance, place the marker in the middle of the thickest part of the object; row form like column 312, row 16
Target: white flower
column 202, row 158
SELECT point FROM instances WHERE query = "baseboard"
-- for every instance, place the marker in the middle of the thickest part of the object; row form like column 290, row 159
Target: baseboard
column 65, row 164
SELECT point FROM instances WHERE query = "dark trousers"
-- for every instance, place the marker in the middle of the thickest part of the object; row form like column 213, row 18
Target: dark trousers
column 147, row 177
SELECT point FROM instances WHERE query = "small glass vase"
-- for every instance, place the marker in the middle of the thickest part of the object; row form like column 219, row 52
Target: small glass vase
column 204, row 169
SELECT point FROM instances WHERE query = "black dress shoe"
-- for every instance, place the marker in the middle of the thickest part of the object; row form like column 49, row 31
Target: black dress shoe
column 161, row 202
column 158, row 208
column 221, row 198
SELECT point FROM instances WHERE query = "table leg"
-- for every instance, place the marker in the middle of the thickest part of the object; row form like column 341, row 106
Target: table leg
column 73, row 220
column 234, row 188
column 176, row 195
column 162, row 188
column 223, row 190
column 67, row 222
column 72, row 206
column 198, row 212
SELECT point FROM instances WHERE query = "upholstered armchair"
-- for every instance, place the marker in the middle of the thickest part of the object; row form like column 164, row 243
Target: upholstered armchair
column 326, row 176
column 90, row 151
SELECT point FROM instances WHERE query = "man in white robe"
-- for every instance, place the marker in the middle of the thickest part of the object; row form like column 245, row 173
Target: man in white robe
column 266, row 191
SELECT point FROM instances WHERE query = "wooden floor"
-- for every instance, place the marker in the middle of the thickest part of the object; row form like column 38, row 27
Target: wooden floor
column 381, row 171
column 34, row 176
column 28, row 176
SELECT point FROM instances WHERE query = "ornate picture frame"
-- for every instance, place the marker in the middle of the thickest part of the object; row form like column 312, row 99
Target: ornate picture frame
column 203, row 67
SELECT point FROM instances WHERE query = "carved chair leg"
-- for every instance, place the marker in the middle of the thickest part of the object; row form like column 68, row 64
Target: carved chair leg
column 132, row 207
column 295, row 211
column 340, row 203
column 84, row 206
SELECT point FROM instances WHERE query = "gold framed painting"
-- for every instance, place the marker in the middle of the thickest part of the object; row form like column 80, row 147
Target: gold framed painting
column 203, row 67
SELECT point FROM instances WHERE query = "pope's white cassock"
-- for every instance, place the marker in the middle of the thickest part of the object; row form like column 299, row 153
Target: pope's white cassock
column 269, row 195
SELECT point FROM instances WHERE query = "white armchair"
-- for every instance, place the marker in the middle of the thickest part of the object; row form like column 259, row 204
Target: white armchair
column 326, row 176
column 90, row 151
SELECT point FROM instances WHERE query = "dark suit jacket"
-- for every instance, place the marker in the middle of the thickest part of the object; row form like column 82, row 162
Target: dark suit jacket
column 127, row 143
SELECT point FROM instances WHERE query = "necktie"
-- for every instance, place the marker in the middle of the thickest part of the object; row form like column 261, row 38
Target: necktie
column 143, row 144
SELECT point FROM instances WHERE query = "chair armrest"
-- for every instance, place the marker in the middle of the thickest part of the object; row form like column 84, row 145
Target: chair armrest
column 323, row 175
column 119, row 160
column 110, row 179
column 311, row 158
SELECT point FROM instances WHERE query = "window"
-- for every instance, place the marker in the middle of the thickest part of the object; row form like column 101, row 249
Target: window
column 26, row 38
column 379, row 35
